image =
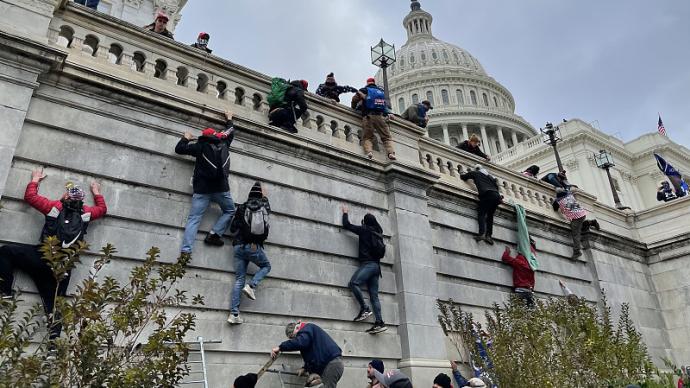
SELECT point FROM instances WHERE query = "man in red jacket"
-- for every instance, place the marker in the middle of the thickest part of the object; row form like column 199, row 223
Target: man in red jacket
column 523, row 275
column 29, row 259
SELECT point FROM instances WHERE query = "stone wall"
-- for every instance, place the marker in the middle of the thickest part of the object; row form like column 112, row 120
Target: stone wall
column 84, row 118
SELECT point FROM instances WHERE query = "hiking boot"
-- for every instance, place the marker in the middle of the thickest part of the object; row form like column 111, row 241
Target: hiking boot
column 378, row 327
column 391, row 156
column 576, row 254
column 364, row 314
column 214, row 239
column 370, row 155
column 249, row 291
column 478, row 237
column 489, row 240
column 595, row 224
column 235, row 319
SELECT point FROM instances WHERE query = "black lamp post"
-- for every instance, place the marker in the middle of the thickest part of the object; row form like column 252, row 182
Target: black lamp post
column 551, row 136
column 383, row 55
column 604, row 160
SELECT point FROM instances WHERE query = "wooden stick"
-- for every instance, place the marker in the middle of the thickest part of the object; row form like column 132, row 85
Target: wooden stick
column 266, row 366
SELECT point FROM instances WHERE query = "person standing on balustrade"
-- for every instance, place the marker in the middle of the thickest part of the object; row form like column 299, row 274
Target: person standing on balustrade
column 374, row 119
column 331, row 89
column 489, row 199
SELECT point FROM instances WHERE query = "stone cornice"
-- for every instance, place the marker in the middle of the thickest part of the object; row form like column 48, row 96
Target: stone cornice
column 477, row 114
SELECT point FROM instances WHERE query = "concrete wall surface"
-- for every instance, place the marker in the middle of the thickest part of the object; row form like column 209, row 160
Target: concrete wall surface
column 84, row 118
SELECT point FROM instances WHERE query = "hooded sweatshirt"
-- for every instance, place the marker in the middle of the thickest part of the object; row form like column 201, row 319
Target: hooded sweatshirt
column 365, row 233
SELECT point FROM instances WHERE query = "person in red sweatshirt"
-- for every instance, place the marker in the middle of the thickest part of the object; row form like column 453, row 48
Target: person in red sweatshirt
column 67, row 218
column 523, row 275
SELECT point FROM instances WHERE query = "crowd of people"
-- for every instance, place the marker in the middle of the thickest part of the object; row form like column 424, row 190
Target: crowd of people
column 248, row 224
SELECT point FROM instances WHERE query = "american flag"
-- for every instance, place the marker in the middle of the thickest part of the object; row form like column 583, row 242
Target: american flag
column 662, row 130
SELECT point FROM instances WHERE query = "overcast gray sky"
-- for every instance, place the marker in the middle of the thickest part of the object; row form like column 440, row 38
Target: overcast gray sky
column 615, row 63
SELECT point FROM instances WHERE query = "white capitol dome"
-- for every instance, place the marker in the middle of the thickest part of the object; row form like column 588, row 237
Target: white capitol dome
column 465, row 98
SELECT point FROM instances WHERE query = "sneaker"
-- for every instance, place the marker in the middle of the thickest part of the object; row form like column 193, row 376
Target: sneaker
column 235, row 319
column 391, row 156
column 370, row 155
column 214, row 239
column 478, row 237
column 576, row 254
column 364, row 314
column 378, row 327
column 249, row 291
column 489, row 240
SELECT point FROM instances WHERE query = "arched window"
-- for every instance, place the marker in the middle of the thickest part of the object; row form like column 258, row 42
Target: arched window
column 495, row 102
column 434, row 55
column 401, row 104
column 411, row 58
column 444, row 97
column 115, row 54
column 473, row 97
column 460, row 96
column 423, row 56
column 415, row 99
column 401, row 63
column 430, row 97
column 486, row 99
column 160, row 69
column 445, row 55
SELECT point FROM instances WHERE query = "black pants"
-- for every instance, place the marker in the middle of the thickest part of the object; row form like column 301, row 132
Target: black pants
column 29, row 259
column 488, row 203
column 285, row 118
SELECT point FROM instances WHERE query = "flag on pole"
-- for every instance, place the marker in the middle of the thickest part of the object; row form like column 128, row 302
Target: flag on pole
column 662, row 130
column 679, row 185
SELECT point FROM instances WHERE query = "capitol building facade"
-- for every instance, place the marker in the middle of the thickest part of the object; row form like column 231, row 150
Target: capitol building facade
column 465, row 98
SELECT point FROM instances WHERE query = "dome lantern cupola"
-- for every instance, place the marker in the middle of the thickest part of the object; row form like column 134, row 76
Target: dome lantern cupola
column 417, row 22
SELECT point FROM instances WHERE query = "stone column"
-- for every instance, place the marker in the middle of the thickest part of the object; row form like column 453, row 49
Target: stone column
column 485, row 140
column 513, row 135
column 21, row 63
column 422, row 340
column 465, row 135
column 501, row 139
column 446, row 136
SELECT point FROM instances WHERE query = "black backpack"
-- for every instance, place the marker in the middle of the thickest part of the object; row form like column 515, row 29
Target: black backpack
column 378, row 246
column 68, row 225
column 214, row 160
column 250, row 224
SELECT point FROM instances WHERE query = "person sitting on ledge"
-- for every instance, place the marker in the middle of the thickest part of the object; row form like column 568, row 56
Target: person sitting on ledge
column 417, row 113
column 489, row 199
column 202, row 42
column 93, row 4
column 293, row 105
column 160, row 25
column 472, row 146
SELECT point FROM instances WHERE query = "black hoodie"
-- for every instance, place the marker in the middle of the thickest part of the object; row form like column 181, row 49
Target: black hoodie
column 365, row 233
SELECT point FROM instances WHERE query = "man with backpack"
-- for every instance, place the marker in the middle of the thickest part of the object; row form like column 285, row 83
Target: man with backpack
column 417, row 113
column 67, row 219
column 210, row 182
column 331, row 89
column 286, row 103
column 374, row 116
column 250, row 229
column 371, row 251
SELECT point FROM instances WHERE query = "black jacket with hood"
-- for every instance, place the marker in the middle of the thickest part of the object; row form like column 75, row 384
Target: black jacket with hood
column 294, row 98
column 365, row 233
column 484, row 182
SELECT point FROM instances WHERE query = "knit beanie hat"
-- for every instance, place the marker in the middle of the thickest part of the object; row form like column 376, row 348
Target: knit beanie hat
column 305, row 84
column 255, row 191
column 371, row 80
column 246, row 381
column 443, row 380
column 330, row 78
column 377, row 364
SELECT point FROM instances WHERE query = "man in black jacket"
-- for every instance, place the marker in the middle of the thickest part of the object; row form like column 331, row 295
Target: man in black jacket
column 208, row 187
column 489, row 199
column 294, row 107
column 331, row 89
column 369, row 269
column 320, row 353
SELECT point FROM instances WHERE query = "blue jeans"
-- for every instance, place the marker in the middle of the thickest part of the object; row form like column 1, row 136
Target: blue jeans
column 245, row 254
column 367, row 273
column 89, row 3
column 200, row 203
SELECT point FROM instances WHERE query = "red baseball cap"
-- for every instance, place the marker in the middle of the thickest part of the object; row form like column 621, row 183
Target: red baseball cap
column 371, row 80
column 208, row 132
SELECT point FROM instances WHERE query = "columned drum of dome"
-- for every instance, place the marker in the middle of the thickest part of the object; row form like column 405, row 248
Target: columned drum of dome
column 466, row 99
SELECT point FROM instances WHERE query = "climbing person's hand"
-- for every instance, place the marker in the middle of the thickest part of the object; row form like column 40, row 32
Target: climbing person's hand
column 275, row 352
column 344, row 208
column 301, row 372
column 453, row 365
column 228, row 115
column 96, row 188
column 188, row 136
column 37, row 175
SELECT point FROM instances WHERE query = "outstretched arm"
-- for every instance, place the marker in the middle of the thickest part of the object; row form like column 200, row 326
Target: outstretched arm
column 31, row 196
column 347, row 225
column 100, row 209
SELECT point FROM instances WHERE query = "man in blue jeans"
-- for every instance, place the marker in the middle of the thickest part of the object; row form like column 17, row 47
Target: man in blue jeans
column 250, row 229
column 369, row 269
column 210, row 182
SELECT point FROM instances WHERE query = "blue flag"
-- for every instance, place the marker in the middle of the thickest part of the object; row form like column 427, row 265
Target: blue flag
column 679, row 185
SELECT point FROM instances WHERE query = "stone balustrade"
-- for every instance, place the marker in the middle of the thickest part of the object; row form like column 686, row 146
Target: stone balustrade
column 520, row 149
